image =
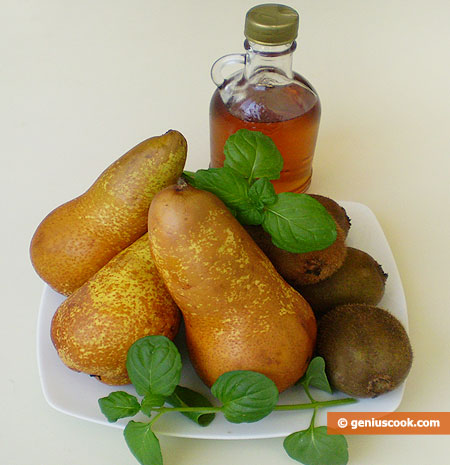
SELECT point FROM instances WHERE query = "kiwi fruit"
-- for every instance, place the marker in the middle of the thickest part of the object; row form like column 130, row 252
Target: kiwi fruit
column 366, row 350
column 299, row 269
column 360, row 280
column 335, row 210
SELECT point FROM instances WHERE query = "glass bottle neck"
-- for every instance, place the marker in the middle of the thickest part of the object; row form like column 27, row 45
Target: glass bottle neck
column 269, row 58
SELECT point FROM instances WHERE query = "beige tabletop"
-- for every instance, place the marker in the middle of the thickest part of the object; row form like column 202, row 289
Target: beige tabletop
column 82, row 82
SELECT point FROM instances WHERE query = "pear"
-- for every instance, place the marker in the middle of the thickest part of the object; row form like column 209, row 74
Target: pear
column 79, row 237
column 239, row 313
column 125, row 300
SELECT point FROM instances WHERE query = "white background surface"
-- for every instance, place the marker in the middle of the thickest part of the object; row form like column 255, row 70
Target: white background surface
column 82, row 82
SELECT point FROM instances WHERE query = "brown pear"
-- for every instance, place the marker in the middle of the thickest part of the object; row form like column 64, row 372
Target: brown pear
column 238, row 311
column 125, row 300
column 79, row 237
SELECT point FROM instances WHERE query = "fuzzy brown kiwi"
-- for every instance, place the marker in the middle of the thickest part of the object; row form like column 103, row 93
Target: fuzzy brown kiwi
column 335, row 210
column 360, row 280
column 300, row 269
column 367, row 351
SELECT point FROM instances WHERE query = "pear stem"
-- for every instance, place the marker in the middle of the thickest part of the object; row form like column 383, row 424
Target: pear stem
column 181, row 184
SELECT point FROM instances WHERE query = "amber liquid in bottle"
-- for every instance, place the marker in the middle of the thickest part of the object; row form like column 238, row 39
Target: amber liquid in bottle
column 289, row 114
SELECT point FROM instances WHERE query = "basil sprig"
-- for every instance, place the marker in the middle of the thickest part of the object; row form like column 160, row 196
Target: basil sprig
column 253, row 155
column 296, row 222
column 143, row 443
column 154, row 367
column 313, row 446
column 119, row 404
column 247, row 396
column 162, row 375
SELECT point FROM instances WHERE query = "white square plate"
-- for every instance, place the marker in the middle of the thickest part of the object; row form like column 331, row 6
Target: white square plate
column 77, row 394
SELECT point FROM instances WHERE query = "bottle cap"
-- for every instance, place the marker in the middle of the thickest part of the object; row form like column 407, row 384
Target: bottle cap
column 271, row 24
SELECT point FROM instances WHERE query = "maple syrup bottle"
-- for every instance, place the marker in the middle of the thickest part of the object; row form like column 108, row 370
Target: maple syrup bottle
column 267, row 95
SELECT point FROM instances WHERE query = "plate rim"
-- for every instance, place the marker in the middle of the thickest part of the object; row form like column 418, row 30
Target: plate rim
column 203, row 432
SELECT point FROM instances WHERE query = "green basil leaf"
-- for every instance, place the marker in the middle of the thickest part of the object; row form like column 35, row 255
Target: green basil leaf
column 247, row 396
column 232, row 189
column 262, row 193
column 118, row 404
column 316, row 376
column 298, row 223
column 154, row 365
column 253, row 155
column 315, row 447
column 150, row 401
column 185, row 397
column 143, row 443
column 250, row 215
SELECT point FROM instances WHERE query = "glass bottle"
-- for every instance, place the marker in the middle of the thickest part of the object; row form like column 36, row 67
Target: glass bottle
column 267, row 95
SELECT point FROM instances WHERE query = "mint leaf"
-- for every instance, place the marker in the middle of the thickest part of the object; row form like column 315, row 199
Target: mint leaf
column 315, row 447
column 247, row 396
column 315, row 375
column 143, row 443
column 298, row 223
column 262, row 193
column 185, row 397
column 232, row 189
column 251, row 215
column 223, row 182
column 119, row 404
column 150, row 401
column 154, row 365
column 253, row 155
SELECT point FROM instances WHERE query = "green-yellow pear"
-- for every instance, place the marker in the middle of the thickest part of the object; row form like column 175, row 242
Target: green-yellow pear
column 125, row 300
column 79, row 237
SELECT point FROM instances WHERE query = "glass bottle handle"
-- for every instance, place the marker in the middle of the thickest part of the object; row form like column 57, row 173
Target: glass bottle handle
column 219, row 65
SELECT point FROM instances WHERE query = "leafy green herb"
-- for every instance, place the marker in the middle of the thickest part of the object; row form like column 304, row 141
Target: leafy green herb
column 250, row 215
column 185, row 397
column 150, row 401
column 154, row 365
column 297, row 223
column 143, row 443
column 119, row 404
column 253, row 155
column 315, row 375
column 262, row 193
column 247, row 396
column 232, row 189
column 314, row 446
column 223, row 182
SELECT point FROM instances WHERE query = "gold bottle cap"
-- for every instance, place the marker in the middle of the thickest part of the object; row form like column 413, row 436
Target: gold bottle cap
column 271, row 24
